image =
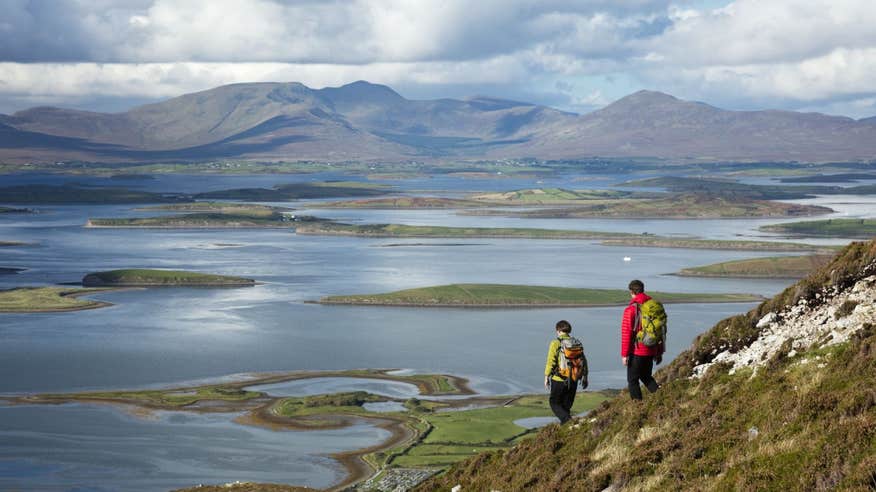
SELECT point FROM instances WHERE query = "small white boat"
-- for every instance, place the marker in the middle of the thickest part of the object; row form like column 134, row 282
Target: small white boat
column 627, row 258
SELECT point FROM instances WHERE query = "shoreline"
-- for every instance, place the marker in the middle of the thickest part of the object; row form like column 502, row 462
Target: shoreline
column 521, row 306
column 259, row 411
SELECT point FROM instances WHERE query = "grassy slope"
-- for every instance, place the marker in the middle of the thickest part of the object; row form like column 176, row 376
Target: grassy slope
column 815, row 422
column 773, row 267
column 45, row 299
column 499, row 295
column 852, row 228
column 160, row 277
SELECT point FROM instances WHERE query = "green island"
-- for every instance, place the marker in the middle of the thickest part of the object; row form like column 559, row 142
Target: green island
column 251, row 209
column 841, row 228
column 772, row 267
column 498, row 295
column 719, row 244
column 12, row 243
column 674, row 206
column 47, row 300
column 428, row 434
column 298, row 191
column 753, row 191
column 52, row 194
column 234, row 219
column 11, row 270
column 152, row 278
column 10, row 210
column 330, row 228
column 404, row 202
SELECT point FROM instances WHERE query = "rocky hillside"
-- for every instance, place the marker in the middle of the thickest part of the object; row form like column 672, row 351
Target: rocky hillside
column 780, row 398
column 364, row 121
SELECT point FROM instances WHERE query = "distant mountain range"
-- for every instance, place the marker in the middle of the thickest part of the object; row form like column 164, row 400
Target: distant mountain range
column 364, row 121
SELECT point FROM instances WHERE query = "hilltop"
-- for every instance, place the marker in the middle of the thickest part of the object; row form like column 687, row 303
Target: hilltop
column 780, row 398
column 362, row 121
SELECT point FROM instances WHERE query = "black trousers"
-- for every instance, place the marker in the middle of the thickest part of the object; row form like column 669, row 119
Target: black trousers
column 639, row 368
column 561, row 399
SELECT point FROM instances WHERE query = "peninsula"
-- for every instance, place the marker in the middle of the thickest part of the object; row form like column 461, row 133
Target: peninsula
column 772, row 267
column 162, row 278
column 206, row 220
column 839, row 228
column 48, row 300
column 329, row 228
column 506, row 296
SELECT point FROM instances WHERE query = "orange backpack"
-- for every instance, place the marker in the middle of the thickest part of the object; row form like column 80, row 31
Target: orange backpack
column 571, row 363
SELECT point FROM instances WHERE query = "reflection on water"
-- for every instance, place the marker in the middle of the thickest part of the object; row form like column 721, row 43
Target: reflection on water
column 87, row 447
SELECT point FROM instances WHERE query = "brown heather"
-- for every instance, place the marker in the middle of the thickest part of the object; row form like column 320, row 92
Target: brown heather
column 789, row 426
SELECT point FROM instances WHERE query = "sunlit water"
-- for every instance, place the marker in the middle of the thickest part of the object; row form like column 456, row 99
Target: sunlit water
column 161, row 337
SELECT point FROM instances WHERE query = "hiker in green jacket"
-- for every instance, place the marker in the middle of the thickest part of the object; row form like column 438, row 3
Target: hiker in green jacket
column 566, row 366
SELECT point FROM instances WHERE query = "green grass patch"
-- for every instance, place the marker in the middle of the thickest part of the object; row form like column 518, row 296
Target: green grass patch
column 842, row 228
column 46, row 299
column 163, row 398
column 548, row 196
column 773, row 267
column 519, row 295
column 145, row 277
column 231, row 208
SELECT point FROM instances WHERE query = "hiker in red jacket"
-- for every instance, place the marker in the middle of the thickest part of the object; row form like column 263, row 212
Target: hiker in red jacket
column 638, row 358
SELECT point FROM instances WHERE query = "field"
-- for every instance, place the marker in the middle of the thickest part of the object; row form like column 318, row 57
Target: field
column 47, row 300
column 145, row 277
column 842, row 228
column 494, row 295
column 773, row 267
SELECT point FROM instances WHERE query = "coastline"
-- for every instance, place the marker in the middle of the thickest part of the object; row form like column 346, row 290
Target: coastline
column 753, row 298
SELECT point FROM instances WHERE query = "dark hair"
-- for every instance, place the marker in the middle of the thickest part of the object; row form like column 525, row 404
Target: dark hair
column 564, row 326
column 637, row 287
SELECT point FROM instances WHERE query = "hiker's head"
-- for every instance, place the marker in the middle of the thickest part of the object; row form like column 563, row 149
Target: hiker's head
column 564, row 326
column 636, row 287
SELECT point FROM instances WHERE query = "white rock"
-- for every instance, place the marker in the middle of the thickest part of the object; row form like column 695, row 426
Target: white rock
column 456, row 489
column 767, row 319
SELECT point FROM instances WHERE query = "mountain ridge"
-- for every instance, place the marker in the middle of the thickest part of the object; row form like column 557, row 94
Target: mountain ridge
column 365, row 121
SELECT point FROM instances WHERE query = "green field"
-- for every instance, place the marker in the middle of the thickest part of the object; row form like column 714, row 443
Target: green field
column 841, row 228
column 480, row 295
column 399, row 230
column 456, row 435
column 146, row 277
column 46, row 300
column 773, row 267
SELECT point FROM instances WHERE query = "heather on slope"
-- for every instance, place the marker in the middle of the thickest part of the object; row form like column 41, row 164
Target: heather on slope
column 780, row 398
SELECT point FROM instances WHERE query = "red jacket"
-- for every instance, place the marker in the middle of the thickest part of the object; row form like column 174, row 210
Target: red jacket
column 628, row 330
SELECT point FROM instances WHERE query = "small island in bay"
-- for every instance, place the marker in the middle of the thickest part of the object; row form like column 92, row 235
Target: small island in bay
column 47, row 300
column 772, row 267
column 11, row 270
column 12, row 243
column 498, row 295
column 207, row 215
column 161, row 278
column 330, row 228
column 10, row 210
column 253, row 209
column 839, row 228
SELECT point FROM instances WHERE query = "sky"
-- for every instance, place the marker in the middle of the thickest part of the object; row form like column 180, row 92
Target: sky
column 110, row 55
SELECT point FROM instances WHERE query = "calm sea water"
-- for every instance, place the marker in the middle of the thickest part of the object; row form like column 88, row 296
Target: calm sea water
column 161, row 337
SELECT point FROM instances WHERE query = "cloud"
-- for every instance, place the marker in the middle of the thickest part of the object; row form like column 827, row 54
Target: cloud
column 742, row 54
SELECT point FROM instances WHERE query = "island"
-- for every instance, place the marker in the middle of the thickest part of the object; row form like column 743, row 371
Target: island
column 251, row 209
column 330, row 228
column 12, row 243
column 513, row 296
column 422, row 438
column 162, row 278
column 674, row 206
column 298, row 191
column 10, row 210
column 838, row 228
column 48, row 300
column 772, row 267
column 54, row 194
column 404, row 202
column 11, row 270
